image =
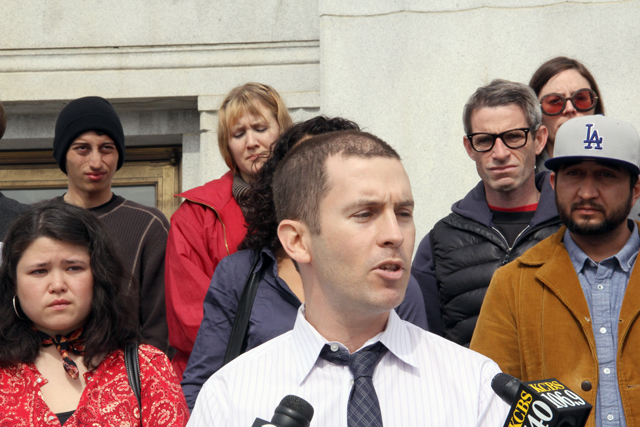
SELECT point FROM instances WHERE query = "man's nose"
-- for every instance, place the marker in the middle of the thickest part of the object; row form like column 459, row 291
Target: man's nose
column 391, row 232
column 500, row 150
column 588, row 189
column 95, row 159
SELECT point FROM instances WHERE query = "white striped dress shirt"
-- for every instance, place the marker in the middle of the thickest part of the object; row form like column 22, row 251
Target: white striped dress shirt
column 423, row 380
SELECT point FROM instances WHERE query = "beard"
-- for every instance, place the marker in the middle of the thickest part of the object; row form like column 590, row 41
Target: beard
column 611, row 221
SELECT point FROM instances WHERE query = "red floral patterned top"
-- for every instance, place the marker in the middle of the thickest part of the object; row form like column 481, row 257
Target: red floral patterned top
column 107, row 400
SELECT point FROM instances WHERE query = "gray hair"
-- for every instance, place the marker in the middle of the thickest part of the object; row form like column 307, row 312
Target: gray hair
column 501, row 93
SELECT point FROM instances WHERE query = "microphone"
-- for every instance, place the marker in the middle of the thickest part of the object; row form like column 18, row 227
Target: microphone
column 293, row 411
column 544, row 403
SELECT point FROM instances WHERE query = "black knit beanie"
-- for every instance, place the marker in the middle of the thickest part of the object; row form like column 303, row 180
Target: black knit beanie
column 91, row 113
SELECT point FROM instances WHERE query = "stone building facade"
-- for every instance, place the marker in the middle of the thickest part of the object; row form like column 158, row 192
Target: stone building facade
column 402, row 69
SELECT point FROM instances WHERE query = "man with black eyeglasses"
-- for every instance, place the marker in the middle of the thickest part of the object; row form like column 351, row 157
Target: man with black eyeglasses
column 508, row 212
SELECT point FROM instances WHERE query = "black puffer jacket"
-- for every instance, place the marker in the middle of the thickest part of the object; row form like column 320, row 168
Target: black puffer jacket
column 456, row 260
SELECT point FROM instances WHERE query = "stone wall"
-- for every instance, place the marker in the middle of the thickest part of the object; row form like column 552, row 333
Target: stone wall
column 401, row 69
column 404, row 70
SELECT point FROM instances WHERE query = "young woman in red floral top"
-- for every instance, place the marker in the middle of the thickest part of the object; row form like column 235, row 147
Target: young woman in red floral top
column 64, row 317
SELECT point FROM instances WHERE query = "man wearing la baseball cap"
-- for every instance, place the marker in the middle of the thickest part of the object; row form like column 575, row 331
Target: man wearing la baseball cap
column 568, row 308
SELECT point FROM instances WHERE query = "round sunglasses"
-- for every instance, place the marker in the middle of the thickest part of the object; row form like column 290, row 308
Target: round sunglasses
column 583, row 100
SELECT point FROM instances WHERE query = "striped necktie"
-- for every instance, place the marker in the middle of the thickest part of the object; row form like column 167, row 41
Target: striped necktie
column 364, row 408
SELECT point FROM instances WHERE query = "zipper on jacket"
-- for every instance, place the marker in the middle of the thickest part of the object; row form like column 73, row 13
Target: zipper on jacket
column 529, row 229
column 503, row 238
column 507, row 256
column 224, row 229
column 515, row 242
column 539, row 226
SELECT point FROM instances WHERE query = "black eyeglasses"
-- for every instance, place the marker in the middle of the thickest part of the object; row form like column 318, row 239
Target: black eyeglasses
column 583, row 100
column 514, row 138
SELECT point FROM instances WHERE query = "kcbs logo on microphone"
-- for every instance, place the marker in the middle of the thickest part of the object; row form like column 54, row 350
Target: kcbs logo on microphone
column 519, row 413
column 546, row 403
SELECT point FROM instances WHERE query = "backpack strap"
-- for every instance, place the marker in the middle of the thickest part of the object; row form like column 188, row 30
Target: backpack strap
column 132, row 364
column 245, row 305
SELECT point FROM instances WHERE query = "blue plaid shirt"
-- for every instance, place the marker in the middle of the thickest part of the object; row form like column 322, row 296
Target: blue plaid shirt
column 604, row 285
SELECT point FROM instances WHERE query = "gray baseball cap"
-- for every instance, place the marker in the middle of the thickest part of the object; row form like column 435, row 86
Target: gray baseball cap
column 596, row 138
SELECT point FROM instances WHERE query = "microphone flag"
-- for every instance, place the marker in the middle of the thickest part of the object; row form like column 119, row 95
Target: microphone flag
column 543, row 403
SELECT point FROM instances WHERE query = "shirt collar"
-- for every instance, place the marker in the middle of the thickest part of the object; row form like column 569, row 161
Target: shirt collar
column 626, row 257
column 307, row 343
column 396, row 337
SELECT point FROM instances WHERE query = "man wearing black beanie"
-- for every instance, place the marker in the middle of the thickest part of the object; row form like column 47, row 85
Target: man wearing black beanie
column 89, row 148
column 9, row 208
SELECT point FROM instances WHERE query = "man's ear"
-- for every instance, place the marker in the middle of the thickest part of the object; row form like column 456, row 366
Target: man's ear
column 552, row 180
column 635, row 192
column 541, row 139
column 294, row 237
column 467, row 146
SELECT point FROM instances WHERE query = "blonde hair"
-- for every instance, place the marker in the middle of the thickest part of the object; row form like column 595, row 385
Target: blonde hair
column 243, row 100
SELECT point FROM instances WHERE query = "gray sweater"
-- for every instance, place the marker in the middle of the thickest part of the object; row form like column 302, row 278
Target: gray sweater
column 140, row 235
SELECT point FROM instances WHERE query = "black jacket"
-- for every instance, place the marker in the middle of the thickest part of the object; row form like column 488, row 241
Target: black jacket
column 456, row 260
column 9, row 211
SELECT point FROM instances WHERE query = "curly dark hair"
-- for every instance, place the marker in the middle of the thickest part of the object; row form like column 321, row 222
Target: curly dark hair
column 109, row 326
column 262, row 225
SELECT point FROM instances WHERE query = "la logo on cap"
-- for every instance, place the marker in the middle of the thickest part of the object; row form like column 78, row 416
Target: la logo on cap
column 592, row 138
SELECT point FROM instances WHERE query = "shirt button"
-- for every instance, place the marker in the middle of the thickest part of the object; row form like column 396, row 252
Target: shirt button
column 600, row 287
column 334, row 347
column 51, row 417
column 607, row 371
column 610, row 417
column 603, row 330
column 39, row 380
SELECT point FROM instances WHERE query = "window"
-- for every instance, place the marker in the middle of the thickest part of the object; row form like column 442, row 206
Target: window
column 150, row 176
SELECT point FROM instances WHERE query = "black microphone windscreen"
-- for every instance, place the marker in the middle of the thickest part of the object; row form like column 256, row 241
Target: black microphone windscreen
column 505, row 386
column 299, row 405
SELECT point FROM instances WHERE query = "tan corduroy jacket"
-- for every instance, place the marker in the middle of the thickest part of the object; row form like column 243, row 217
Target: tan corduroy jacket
column 535, row 324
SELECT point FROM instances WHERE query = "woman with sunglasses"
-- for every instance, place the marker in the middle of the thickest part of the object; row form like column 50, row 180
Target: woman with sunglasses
column 566, row 89
column 65, row 321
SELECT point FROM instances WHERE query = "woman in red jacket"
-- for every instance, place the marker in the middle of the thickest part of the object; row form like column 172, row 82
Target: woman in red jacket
column 65, row 322
column 209, row 224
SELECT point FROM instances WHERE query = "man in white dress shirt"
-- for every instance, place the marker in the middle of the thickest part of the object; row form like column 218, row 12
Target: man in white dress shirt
column 345, row 208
